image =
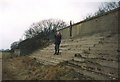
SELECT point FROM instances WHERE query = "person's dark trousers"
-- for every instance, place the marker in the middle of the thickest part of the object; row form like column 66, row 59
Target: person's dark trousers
column 57, row 48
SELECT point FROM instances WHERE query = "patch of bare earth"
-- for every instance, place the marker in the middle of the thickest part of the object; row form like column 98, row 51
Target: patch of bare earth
column 25, row 68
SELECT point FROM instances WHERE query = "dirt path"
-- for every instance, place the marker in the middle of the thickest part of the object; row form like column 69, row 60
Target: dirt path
column 25, row 68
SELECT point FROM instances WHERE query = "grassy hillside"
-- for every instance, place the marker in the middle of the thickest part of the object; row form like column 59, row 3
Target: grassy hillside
column 26, row 68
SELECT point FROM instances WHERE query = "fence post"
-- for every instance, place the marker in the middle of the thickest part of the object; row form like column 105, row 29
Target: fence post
column 70, row 29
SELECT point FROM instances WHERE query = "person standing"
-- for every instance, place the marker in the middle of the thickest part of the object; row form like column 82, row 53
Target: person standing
column 57, row 42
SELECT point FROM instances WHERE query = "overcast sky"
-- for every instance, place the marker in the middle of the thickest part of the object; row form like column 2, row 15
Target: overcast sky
column 17, row 15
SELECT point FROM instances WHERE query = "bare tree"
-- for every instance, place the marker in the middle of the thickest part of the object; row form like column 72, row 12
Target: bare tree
column 106, row 6
column 44, row 27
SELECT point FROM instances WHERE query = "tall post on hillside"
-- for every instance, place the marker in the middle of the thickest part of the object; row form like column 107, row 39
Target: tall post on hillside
column 118, row 38
column 70, row 29
column 119, row 18
column 119, row 3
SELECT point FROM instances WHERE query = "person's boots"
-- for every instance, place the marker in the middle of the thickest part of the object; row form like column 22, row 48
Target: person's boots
column 58, row 52
column 55, row 53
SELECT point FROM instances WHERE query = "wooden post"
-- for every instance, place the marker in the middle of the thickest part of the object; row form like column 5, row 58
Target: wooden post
column 119, row 18
column 70, row 29
column 118, row 38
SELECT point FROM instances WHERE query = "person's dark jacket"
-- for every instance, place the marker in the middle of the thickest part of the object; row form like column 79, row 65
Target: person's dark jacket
column 57, row 39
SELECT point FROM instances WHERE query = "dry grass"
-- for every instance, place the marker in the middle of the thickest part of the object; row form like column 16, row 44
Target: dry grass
column 25, row 68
